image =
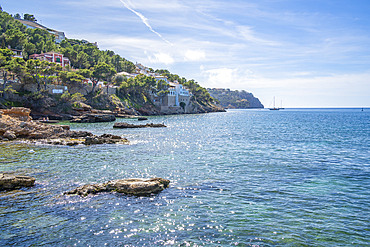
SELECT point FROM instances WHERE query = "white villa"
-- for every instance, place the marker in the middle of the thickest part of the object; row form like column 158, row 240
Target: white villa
column 178, row 93
column 59, row 36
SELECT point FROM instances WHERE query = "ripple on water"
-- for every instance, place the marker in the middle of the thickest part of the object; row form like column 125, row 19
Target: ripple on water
column 295, row 177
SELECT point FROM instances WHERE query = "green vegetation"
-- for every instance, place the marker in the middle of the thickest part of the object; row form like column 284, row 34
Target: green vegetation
column 87, row 62
column 200, row 94
column 235, row 99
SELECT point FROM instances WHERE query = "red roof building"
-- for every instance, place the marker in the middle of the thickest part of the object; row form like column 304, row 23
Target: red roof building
column 53, row 57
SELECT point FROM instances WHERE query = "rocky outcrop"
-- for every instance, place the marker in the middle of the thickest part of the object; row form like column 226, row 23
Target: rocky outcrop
column 52, row 116
column 93, row 118
column 104, row 139
column 238, row 99
column 12, row 128
column 20, row 113
column 123, row 125
column 80, row 106
column 89, row 140
column 198, row 108
column 11, row 182
column 132, row 186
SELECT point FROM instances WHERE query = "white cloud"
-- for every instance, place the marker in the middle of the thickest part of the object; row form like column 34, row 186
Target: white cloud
column 220, row 77
column 194, row 55
column 161, row 58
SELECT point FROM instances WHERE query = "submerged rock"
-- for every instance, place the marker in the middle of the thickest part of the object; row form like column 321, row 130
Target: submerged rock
column 123, row 125
column 131, row 186
column 11, row 182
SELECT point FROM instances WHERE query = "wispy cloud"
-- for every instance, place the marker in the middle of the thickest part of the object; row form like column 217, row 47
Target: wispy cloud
column 144, row 20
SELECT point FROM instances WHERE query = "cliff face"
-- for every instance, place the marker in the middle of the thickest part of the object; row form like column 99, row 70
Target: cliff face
column 235, row 99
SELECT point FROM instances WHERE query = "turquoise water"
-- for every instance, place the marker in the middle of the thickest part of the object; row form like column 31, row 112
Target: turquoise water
column 296, row 177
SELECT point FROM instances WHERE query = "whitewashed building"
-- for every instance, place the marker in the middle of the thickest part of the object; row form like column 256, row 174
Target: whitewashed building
column 59, row 36
column 177, row 92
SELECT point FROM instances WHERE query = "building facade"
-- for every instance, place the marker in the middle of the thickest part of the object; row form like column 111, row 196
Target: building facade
column 59, row 36
column 52, row 57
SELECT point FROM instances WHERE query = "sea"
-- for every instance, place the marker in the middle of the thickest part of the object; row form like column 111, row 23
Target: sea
column 294, row 177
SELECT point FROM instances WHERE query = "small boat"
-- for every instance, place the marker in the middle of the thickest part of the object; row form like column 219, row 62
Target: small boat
column 274, row 108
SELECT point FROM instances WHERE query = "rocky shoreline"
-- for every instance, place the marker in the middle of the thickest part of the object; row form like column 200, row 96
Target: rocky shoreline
column 16, row 124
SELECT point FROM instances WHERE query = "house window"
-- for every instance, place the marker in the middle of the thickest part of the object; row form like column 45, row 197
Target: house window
column 58, row 59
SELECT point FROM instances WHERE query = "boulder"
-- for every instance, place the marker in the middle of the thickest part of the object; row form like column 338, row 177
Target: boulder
column 65, row 127
column 123, row 125
column 10, row 135
column 10, row 182
column 131, row 186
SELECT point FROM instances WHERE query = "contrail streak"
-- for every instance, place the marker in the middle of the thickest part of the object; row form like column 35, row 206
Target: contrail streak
column 144, row 20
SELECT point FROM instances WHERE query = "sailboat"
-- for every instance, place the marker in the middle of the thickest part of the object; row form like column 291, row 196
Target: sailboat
column 281, row 106
column 274, row 108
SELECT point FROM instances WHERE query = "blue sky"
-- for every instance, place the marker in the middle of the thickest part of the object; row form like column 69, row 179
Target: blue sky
column 307, row 53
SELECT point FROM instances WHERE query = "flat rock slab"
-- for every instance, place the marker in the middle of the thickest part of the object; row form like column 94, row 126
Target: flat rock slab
column 94, row 118
column 12, row 182
column 123, row 125
column 88, row 140
column 131, row 186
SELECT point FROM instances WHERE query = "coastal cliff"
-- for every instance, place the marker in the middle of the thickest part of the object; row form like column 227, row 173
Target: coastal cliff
column 235, row 99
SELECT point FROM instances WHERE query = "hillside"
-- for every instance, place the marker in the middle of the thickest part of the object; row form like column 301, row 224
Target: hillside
column 30, row 71
column 234, row 99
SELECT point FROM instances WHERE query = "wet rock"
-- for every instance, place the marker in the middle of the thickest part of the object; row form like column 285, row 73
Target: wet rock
column 10, row 135
column 123, row 125
column 94, row 118
column 132, row 186
column 11, row 182
column 104, row 139
column 142, row 118
column 65, row 127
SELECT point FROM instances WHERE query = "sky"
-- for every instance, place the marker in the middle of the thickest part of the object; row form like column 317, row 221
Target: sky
column 305, row 53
